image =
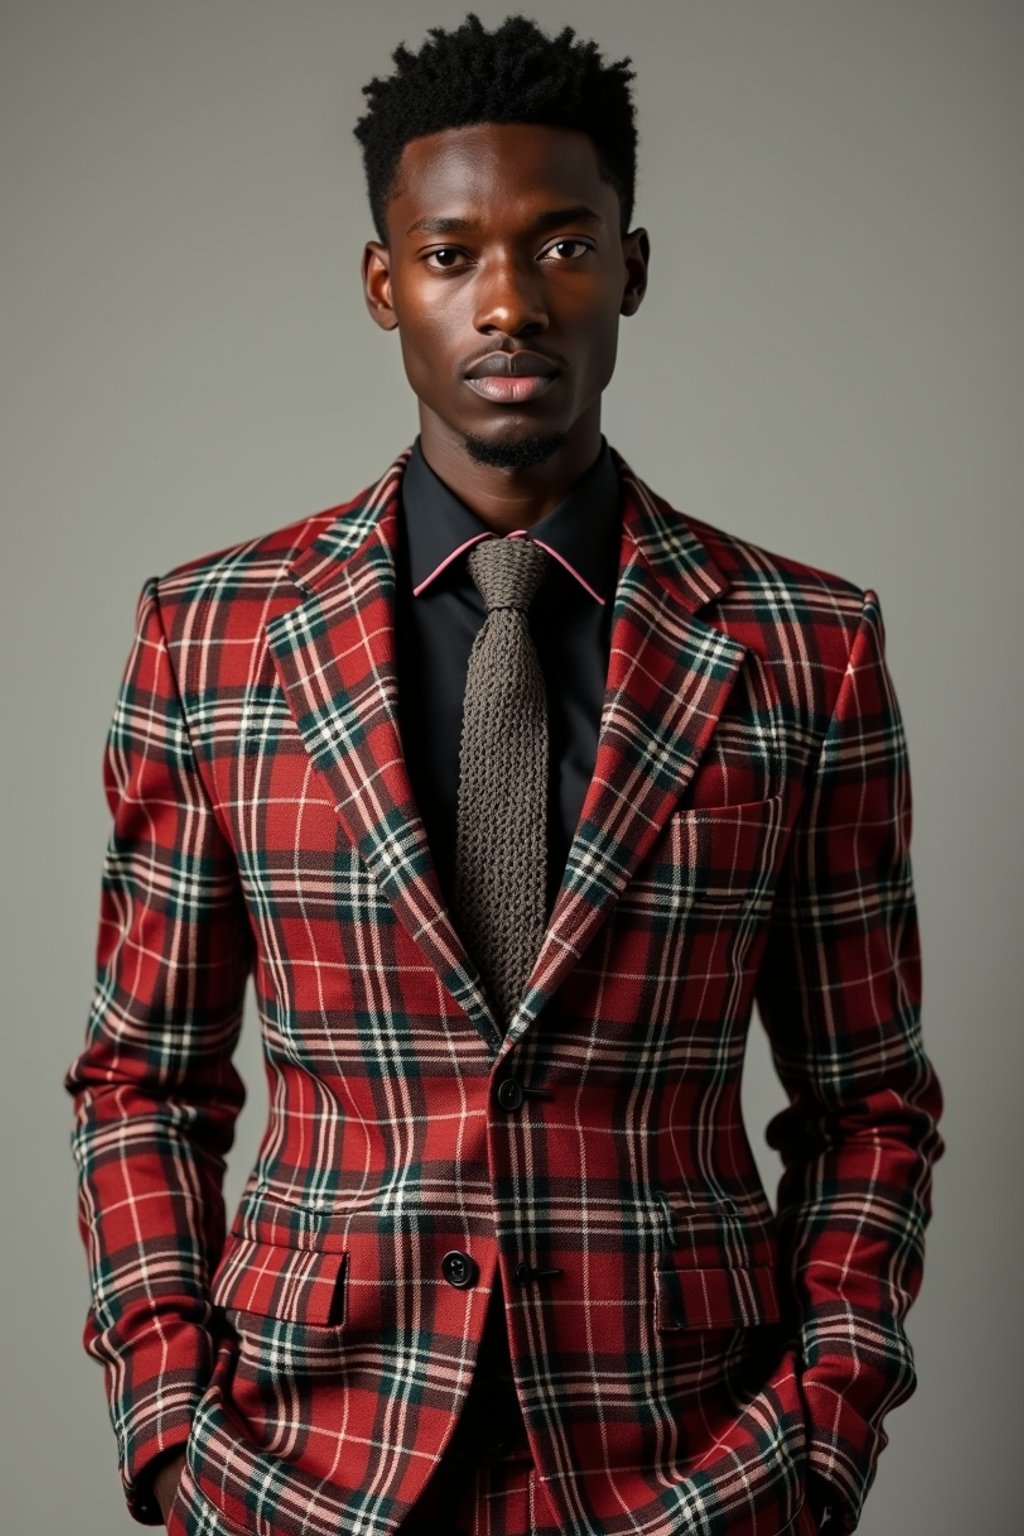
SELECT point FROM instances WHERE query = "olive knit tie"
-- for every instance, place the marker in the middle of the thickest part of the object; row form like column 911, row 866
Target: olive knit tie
column 501, row 835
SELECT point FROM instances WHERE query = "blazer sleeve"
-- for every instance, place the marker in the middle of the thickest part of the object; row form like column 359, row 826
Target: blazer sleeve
column 155, row 1094
column 839, row 994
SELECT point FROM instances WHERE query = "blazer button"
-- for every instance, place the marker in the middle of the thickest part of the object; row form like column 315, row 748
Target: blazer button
column 458, row 1268
column 525, row 1272
column 510, row 1094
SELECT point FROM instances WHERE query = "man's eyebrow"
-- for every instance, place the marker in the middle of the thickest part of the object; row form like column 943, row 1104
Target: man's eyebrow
column 552, row 218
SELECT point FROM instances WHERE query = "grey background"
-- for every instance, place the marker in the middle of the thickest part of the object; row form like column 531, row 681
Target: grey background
column 828, row 361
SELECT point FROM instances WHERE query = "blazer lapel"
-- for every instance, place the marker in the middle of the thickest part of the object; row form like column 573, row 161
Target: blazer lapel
column 669, row 676
column 334, row 652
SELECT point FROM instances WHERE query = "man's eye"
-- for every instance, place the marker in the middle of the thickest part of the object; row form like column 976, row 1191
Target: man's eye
column 440, row 256
column 560, row 245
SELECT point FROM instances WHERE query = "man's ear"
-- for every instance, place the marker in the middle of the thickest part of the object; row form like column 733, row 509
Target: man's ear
column 636, row 253
column 376, row 270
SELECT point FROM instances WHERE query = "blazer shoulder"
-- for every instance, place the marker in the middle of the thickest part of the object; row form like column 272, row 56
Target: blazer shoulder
column 246, row 557
column 756, row 568
column 777, row 587
column 248, row 574
column 801, row 619
column 782, row 608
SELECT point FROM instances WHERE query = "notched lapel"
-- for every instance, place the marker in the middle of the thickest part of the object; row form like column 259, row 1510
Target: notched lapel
column 670, row 674
column 334, row 653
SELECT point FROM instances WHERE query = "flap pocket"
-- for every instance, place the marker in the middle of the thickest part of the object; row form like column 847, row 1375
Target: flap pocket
column 715, row 858
column 300, row 1285
column 731, row 851
column 714, row 1298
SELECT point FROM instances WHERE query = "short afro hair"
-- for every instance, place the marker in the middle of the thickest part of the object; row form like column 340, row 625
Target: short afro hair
column 515, row 74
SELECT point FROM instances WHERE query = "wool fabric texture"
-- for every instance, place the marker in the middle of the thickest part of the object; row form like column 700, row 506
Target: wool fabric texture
column 501, row 837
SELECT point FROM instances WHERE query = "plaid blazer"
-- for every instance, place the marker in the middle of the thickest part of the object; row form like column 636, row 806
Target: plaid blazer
column 683, row 1349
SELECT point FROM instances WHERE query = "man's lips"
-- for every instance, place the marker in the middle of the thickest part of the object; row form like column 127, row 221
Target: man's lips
column 511, row 389
column 511, row 377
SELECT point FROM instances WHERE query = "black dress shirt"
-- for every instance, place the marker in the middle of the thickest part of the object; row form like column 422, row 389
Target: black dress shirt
column 439, row 611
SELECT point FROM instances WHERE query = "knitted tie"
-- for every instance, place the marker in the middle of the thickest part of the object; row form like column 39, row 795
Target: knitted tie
column 501, row 836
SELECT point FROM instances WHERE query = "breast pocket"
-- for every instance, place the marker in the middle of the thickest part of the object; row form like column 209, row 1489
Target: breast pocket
column 725, row 858
column 711, row 864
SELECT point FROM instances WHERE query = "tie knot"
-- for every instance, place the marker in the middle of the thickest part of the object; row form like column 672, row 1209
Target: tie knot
column 508, row 571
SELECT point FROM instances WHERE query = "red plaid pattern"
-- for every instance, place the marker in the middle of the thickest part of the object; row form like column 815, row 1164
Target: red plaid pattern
column 683, row 1351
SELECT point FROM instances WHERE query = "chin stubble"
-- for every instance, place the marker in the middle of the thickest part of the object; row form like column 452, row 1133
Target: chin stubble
column 521, row 453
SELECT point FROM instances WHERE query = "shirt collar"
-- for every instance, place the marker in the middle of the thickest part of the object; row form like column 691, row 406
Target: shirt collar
column 582, row 532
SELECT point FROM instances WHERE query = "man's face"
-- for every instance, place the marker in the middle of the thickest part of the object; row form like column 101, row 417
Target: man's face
column 503, row 238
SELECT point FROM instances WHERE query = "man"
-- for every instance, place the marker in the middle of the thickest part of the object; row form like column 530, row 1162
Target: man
column 514, row 789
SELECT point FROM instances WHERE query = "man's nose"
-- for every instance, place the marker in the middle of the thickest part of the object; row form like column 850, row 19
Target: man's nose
column 509, row 298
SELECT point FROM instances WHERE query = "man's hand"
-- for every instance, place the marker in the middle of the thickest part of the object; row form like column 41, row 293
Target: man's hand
column 165, row 1484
